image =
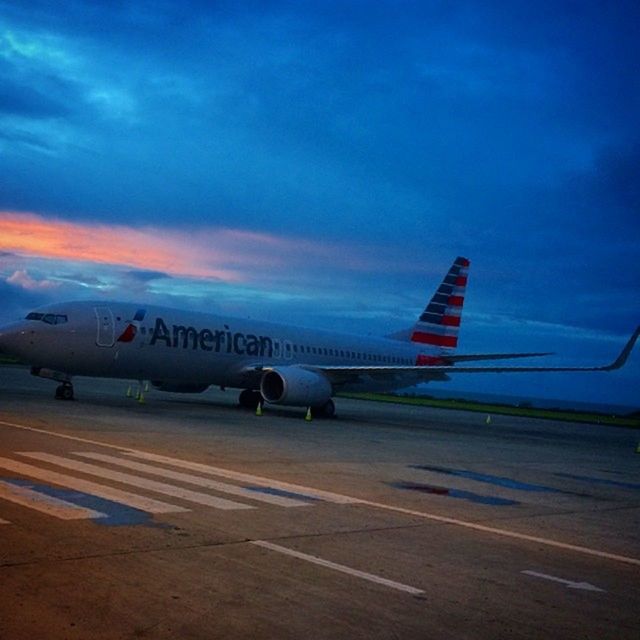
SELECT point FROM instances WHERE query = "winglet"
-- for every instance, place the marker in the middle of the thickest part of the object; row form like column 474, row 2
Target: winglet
column 624, row 354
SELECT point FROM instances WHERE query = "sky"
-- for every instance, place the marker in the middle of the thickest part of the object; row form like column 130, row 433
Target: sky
column 323, row 163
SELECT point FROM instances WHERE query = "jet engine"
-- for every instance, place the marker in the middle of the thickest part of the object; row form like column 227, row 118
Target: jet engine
column 180, row 387
column 295, row 386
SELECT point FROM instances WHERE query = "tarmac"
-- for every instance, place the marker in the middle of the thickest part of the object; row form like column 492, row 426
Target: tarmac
column 187, row 517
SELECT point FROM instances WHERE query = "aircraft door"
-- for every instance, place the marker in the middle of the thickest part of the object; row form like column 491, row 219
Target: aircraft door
column 106, row 329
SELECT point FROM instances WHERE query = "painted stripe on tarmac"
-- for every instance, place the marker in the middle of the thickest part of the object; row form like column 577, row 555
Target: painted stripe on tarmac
column 346, row 499
column 327, row 496
column 506, row 533
column 191, row 479
column 46, row 504
column 138, row 481
column 338, row 567
column 86, row 486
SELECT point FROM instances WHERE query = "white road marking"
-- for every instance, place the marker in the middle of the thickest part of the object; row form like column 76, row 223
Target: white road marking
column 341, row 498
column 506, row 533
column 327, row 496
column 585, row 586
column 138, row 481
column 197, row 480
column 109, row 493
column 46, row 504
column 338, row 567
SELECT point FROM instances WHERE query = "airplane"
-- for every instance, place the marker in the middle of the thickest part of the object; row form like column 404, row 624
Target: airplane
column 279, row 364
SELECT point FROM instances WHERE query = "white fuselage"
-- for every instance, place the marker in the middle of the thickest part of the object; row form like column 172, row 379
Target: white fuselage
column 166, row 344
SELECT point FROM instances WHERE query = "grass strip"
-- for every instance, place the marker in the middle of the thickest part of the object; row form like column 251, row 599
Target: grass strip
column 501, row 409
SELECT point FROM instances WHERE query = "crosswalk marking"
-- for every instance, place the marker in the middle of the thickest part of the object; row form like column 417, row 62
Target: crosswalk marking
column 327, row 496
column 86, row 486
column 197, row 480
column 138, row 481
column 46, row 504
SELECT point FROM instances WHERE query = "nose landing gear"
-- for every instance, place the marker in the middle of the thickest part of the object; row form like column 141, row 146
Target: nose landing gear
column 64, row 391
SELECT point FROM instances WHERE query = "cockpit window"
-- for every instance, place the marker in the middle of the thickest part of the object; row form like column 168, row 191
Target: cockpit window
column 49, row 318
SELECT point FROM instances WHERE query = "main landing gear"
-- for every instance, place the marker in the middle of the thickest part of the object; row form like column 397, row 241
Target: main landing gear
column 249, row 399
column 64, row 391
column 327, row 410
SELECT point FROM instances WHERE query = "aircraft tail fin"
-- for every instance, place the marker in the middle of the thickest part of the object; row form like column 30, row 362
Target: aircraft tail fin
column 439, row 323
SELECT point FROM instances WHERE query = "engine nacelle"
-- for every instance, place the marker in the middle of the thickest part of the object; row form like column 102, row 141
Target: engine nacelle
column 295, row 386
column 180, row 387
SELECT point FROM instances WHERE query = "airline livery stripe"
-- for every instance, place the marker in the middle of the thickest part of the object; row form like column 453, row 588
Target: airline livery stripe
column 441, row 298
column 137, row 481
column 451, row 321
column 432, row 338
column 455, row 301
column 197, row 480
column 86, row 486
column 461, row 281
column 436, row 329
column 46, row 504
column 434, row 307
column 245, row 477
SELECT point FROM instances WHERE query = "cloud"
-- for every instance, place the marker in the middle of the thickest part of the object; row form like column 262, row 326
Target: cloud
column 154, row 252
column 145, row 275
column 24, row 100
column 22, row 279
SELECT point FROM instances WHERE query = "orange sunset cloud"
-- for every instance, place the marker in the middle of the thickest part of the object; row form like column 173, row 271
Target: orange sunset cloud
column 202, row 253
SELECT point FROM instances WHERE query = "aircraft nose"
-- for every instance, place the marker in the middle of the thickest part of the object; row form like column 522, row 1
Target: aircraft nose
column 11, row 337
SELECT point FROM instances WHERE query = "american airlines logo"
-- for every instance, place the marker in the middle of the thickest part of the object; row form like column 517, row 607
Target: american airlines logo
column 225, row 340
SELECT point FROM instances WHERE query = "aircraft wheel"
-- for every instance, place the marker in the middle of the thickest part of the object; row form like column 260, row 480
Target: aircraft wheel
column 249, row 399
column 327, row 410
column 64, row 392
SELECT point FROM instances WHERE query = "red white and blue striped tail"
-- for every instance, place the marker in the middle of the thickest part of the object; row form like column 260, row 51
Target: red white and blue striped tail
column 439, row 324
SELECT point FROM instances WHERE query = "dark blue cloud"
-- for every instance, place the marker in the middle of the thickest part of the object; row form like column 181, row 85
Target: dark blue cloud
column 145, row 275
column 16, row 301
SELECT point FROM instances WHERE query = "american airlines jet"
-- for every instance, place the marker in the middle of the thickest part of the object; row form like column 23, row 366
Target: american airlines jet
column 279, row 364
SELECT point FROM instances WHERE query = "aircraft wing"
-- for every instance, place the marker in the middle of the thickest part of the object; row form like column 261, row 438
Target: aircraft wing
column 471, row 357
column 408, row 375
column 343, row 374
